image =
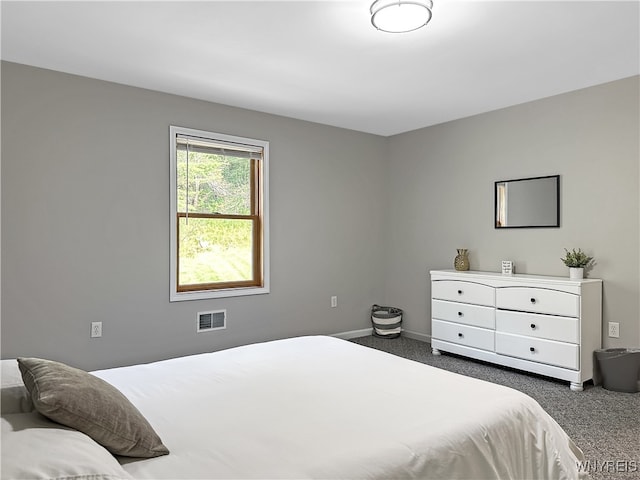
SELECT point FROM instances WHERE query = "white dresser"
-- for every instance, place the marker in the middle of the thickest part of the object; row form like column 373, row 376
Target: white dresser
column 546, row 325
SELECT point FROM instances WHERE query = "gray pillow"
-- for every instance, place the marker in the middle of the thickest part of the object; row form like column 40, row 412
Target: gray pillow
column 92, row 406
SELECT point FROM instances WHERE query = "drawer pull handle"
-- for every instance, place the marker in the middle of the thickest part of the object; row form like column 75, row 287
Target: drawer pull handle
column 460, row 335
column 460, row 314
column 533, row 300
column 459, row 292
column 531, row 349
column 533, row 326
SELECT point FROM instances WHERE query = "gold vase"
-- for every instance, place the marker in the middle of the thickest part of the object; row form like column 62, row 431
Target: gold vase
column 461, row 261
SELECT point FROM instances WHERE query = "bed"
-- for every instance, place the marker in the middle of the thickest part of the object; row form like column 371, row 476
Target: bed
column 306, row 407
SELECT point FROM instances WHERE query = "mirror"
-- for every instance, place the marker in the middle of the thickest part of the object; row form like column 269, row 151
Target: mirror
column 528, row 202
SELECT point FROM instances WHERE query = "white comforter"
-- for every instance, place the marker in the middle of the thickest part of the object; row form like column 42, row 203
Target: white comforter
column 320, row 407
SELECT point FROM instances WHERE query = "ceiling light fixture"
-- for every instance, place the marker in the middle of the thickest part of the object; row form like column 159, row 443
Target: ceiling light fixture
column 400, row 16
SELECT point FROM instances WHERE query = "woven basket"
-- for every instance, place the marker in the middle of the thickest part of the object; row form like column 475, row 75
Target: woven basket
column 386, row 321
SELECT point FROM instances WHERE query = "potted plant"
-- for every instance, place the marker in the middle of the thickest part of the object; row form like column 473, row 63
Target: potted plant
column 577, row 261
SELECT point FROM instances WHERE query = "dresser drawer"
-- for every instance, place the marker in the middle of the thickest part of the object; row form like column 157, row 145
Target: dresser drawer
column 467, row 292
column 475, row 315
column 562, row 329
column 463, row 334
column 560, row 354
column 538, row 300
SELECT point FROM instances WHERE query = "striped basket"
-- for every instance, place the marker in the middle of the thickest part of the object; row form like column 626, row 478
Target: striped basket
column 386, row 321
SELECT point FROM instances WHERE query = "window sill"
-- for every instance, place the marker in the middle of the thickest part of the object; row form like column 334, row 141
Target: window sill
column 224, row 293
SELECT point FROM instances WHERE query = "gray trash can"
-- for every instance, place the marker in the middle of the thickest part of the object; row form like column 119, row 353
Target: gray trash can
column 619, row 368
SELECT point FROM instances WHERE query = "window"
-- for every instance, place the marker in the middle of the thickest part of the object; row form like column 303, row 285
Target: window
column 219, row 221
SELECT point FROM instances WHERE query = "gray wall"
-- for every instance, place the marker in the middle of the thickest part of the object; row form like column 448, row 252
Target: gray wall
column 85, row 223
column 443, row 179
column 85, row 214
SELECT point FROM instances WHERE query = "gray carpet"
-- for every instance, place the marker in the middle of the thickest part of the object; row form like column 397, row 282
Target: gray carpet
column 604, row 424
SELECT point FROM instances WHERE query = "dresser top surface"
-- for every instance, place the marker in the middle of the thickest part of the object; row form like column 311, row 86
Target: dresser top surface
column 478, row 275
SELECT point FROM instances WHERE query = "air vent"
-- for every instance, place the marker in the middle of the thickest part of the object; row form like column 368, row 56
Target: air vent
column 216, row 320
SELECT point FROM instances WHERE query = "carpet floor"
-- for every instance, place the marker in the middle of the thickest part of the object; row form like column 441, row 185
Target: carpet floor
column 604, row 424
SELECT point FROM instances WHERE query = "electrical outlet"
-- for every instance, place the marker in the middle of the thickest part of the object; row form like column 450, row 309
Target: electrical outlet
column 334, row 301
column 614, row 329
column 96, row 329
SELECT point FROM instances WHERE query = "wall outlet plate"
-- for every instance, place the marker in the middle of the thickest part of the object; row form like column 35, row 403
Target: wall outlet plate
column 614, row 330
column 96, row 329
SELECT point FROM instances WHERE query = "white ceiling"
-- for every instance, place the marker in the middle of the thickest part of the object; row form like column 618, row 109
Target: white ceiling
column 322, row 61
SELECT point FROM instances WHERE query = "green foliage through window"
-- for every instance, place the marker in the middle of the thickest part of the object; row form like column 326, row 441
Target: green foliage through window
column 217, row 183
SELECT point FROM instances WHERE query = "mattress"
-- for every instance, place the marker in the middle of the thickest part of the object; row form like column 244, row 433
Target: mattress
column 321, row 407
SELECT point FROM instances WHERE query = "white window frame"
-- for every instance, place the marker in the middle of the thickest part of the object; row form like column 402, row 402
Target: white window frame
column 174, row 294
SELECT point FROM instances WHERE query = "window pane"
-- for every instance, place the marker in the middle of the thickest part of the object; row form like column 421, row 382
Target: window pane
column 217, row 183
column 215, row 250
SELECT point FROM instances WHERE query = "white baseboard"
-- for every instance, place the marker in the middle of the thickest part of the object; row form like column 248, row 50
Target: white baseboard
column 423, row 337
column 365, row 332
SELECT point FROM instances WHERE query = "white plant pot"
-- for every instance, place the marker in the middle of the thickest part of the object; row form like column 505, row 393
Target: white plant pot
column 576, row 273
